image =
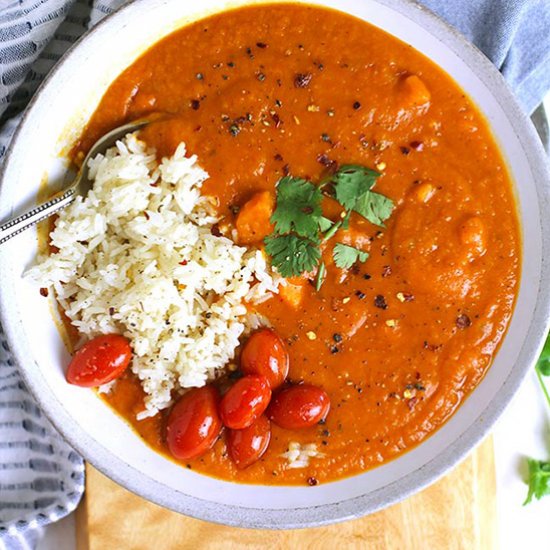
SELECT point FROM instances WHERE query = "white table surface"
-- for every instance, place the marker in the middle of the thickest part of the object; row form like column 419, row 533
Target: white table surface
column 523, row 430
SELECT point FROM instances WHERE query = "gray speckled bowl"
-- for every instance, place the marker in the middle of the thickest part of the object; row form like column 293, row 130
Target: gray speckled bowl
column 54, row 120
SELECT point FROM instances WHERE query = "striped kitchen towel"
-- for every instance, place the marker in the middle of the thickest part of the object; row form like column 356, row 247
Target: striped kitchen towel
column 41, row 478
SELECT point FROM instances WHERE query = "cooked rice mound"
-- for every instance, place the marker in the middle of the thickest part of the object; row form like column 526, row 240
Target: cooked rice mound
column 137, row 257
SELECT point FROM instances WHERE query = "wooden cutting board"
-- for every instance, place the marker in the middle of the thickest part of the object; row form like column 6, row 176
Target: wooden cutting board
column 457, row 512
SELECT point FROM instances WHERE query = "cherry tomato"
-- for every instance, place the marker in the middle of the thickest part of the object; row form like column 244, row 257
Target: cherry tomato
column 194, row 424
column 247, row 446
column 265, row 354
column 299, row 407
column 245, row 401
column 99, row 361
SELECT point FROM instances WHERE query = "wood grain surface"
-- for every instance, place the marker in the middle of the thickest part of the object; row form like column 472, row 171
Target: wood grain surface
column 457, row 512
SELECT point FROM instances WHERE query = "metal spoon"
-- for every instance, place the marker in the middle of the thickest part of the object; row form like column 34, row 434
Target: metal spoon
column 80, row 186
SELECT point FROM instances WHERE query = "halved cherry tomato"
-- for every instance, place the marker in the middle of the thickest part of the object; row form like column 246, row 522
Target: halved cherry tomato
column 247, row 446
column 194, row 424
column 299, row 407
column 245, row 401
column 99, row 361
column 265, row 353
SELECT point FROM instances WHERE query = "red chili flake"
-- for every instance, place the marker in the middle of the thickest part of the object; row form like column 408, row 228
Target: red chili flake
column 260, row 77
column 334, row 349
column 386, row 271
column 357, row 105
column 278, row 156
column 380, row 301
column 416, row 145
column 216, row 230
column 276, row 119
column 44, row 292
column 147, row 217
column 286, row 169
column 408, row 297
column 249, row 53
column 311, row 481
column 463, row 321
column 360, row 295
column 156, row 184
column 405, row 150
column 366, row 276
column 195, row 104
column 261, row 45
column 111, row 311
column 302, row 80
column 430, row 347
column 183, row 262
column 325, row 160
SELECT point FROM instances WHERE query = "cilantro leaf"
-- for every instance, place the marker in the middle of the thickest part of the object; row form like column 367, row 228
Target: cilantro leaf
column 539, row 471
column 291, row 254
column 353, row 190
column 539, row 479
column 352, row 181
column 375, row 207
column 298, row 207
column 325, row 224
column 345, row 256
column 543, row 363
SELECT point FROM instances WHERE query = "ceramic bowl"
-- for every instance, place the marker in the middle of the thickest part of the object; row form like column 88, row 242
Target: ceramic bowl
column 54, row 120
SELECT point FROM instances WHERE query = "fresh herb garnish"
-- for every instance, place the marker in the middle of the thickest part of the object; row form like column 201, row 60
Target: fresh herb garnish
column 539, row 470
column 298, row 208
column 353, row 190
column 345, row 256
column 321, row 274
column 293, row 255
column 301, row 228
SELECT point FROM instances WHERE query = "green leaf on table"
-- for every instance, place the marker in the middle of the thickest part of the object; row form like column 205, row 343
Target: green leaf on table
column 539, row 479
column 543, row 363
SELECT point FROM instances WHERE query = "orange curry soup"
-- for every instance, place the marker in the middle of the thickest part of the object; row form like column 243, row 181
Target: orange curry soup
column 401, row 339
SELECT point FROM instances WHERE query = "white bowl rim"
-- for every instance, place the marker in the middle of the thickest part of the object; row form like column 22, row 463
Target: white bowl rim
column 292, row 518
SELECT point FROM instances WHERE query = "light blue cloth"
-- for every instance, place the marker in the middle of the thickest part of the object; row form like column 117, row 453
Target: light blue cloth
column 513, row 34
column 41, row 478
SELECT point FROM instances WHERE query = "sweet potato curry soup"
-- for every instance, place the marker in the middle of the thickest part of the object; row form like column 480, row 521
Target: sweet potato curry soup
column 405, row 309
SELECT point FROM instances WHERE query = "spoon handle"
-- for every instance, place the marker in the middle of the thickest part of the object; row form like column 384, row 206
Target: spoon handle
column 45, row 210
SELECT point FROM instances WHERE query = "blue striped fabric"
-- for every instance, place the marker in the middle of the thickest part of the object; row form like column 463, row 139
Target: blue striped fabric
column 41, row 478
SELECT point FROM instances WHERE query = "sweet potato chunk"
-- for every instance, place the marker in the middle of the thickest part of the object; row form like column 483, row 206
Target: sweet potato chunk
column 292, row 294
column 413, row 92
column 253, row 220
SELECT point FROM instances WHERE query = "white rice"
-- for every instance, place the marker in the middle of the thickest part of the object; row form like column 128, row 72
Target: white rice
column 298, row 456
column 119, row 269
